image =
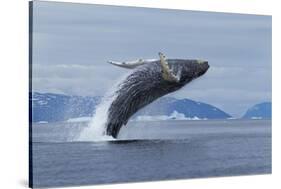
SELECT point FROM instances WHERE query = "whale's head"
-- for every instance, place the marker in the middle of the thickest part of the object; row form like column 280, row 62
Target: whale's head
column 187, row 70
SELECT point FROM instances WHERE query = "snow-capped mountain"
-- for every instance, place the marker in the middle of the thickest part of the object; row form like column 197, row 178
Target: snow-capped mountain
column 185, row 108
column 259, row 111
column 49, row 107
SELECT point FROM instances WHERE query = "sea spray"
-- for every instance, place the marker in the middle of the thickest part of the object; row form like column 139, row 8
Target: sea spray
column 96, row 129
column 97, row 126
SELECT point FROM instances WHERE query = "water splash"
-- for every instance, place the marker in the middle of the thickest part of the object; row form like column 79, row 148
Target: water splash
column 97, row 126
column 96, row 130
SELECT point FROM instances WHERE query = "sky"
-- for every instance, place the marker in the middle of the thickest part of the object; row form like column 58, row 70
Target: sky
column 72, row 42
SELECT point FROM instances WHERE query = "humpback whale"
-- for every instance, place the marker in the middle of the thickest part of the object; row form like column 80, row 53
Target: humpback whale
column 149, row 80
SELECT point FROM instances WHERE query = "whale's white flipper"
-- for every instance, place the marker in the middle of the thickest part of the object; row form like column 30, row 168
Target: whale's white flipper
column 128, row 64
column 167, row 74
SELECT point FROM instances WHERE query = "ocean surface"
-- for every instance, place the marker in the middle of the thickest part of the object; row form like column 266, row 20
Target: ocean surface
column 149, row 151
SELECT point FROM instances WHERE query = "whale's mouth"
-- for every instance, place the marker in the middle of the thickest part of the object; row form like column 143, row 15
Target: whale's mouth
column 203, row 68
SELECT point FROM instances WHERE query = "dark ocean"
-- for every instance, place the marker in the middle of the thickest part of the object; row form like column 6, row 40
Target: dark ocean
column 150, row 151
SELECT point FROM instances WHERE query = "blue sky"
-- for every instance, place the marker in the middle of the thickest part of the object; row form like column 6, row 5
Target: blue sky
column 72, row 42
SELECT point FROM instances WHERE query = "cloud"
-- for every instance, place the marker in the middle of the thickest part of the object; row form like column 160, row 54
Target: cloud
column 75, row 79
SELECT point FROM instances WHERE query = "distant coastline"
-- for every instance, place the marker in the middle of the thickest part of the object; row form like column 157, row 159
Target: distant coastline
column 51, row 107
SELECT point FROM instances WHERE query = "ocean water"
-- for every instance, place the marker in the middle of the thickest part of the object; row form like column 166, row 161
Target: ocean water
column 150, row 150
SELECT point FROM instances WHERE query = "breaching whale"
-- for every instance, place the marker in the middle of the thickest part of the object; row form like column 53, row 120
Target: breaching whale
column 149, row 80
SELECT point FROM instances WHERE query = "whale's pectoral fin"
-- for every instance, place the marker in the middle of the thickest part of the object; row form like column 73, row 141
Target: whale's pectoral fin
column 167, row 74
column 128, row 64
